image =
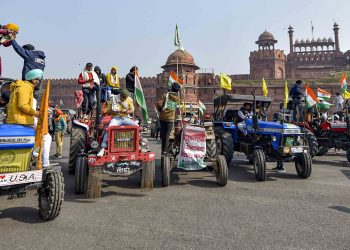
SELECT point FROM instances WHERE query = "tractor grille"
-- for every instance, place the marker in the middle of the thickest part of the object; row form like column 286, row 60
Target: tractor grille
column 124, row 140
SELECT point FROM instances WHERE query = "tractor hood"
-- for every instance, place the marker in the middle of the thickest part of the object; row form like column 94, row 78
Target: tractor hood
column 273, row 127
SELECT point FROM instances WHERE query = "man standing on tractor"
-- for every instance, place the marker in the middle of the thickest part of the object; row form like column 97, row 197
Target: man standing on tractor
column 120, row 107
column 243, row 113
column 90, row 84
column 103, row 83
column 113, row 81
column 296, row 94
column 339, row 102
column 130, row 81
column 166, row 108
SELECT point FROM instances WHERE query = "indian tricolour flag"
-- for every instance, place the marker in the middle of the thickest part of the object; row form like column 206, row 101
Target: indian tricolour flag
column 310, row 97
column 322, row 94
column 140, row 98
column 343, row 84
column 201, row 107
column 174, row 78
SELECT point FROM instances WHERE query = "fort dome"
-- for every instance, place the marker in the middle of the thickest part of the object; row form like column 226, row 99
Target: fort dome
column 181, row 58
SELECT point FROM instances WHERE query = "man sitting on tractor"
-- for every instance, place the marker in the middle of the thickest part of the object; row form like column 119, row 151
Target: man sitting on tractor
column 243, row 113
column 120, row 107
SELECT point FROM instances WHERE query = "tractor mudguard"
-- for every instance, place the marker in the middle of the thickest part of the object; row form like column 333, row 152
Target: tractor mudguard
column 81, row 125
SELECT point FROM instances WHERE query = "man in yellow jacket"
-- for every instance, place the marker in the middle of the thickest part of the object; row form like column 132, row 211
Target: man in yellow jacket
column 20, row 108
column 113, row 81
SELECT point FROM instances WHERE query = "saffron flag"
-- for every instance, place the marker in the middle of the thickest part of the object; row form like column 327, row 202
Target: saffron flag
column 286, row 95
column 343, row 84
column 177, row 41
column 225, row 81
column 174, row 78
column 310, row 97
column 140, row 98
column 43, row 126
column 322, row 94
column 264, row 88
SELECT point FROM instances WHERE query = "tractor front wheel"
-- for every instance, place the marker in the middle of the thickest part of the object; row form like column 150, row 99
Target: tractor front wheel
column 303, row 165
column 81, row 175
column 221, row 172
column 51, row 195
column 259, row 162
column 166, row 168
column 322, row 151
column 148, row 175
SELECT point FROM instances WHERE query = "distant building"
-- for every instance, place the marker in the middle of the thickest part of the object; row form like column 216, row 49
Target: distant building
column 307, row 59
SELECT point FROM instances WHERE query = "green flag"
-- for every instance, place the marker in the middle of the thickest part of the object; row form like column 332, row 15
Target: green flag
column 177, row 41
column 140, row 98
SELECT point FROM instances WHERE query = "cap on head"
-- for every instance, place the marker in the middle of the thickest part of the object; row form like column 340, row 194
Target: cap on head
column 33, row 74
column 299, row 82
column 124, row 93
column 88, row 65
column 28, row 47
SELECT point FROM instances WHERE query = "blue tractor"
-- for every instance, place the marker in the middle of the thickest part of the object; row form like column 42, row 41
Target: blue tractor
column 261, row 140
column 19, row 170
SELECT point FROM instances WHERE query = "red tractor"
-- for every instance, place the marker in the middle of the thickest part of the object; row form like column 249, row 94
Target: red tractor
column 127, row 153
column 323, row 135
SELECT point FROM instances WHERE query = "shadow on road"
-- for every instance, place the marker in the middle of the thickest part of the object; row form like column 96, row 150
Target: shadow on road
column 22, row 214
column 341, row 209
column 332, row 163
column 346, row 173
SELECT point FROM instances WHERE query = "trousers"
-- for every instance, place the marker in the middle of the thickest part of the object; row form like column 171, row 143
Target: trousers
column 165, row 129
column 59, row 142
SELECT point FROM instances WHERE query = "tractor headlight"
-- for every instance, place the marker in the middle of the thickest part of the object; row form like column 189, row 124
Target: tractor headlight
column 286, row 150
column 144, row 145
column 274, row 138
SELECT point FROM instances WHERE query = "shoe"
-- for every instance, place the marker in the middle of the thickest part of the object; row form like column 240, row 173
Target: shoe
column 281, row 170
column 54, row 156
column 275, row 168
column 101, row 153
column 59, row 156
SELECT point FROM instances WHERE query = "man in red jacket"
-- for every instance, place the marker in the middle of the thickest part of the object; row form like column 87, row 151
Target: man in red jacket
column 90, row 83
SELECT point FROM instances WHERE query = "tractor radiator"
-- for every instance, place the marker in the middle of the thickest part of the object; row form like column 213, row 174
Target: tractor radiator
column 124, row 140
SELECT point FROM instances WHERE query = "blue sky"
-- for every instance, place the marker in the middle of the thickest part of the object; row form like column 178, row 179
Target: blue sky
column 219, row 34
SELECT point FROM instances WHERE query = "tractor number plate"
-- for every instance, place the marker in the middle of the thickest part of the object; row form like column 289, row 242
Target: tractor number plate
column 297, row 150
column 20, row 178
column 122, row 168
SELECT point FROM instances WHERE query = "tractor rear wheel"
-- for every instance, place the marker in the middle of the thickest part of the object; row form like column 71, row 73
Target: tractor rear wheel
column 310, row 141
column 81, row 175
column 259, row 162
column 166, row 168
column 348, row 155
column 51, row 195
column 221, row 172
column 224, row 144
column 322, row 151
column 77, row 144
column 303, row 165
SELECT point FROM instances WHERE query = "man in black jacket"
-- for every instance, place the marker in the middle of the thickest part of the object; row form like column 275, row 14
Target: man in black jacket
column 130, row 81
column 33, row 59
column 103, row 83
column 296, row 94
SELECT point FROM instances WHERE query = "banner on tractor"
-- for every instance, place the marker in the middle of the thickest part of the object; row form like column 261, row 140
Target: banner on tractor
column 192, row 148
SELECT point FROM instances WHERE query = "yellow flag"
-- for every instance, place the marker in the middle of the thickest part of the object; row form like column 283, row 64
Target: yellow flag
column 42, row 127
column 264, row 88
column 225, row 81
column 286, row 95
column 346, row 94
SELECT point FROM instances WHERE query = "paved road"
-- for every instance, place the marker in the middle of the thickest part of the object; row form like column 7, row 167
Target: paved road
column 285, row 212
